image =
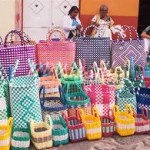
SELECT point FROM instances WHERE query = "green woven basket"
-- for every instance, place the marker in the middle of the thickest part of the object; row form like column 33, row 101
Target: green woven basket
column 60, row 132
column 20, row 139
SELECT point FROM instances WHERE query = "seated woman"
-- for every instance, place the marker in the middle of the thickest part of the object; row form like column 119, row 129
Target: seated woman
column 103, row 23
column 71, row 24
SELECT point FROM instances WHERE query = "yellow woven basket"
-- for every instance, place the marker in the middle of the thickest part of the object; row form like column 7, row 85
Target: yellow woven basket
column 125, row 122
column 41, row 133
column 5, row 135
column 92, row 124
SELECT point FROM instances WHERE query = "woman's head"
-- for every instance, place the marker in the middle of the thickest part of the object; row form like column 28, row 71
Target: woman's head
column 73, row 12
column 103, row 10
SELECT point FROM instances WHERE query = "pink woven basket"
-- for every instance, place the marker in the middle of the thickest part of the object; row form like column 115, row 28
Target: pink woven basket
column 56, row 51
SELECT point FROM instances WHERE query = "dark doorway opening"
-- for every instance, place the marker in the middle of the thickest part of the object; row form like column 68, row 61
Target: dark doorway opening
column 144, row 15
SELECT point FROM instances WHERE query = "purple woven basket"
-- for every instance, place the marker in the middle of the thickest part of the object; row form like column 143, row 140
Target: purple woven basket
column 10, row 52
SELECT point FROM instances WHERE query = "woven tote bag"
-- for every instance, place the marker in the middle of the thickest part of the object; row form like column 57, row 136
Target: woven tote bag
column 126, row 48
column 11, row 52
column 56, row 51
column 41, row 133
column 92, row 49
column 20, row 138
column 24, row 97
column 92, row 123
column 102, row 96
column 60, row 132
column 76, row 127
column 5, row 135
column 125, row 122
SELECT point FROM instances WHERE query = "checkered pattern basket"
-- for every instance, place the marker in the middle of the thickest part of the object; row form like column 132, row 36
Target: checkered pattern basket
column 142, row 122
column 5, row 135
column 54, row 106
column 41, row 133
column 76, row 128
column 24, row 96
column 20, row 138
column 60, row 132
column 102, row 96
column 11, row 52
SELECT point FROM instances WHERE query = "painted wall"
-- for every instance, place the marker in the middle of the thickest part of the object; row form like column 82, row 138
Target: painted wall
column 7, row 16
column 123, row 12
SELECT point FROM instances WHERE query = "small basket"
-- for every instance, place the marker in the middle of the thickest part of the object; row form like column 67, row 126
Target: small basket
column 76, row 128
column 108, row 125
column 142, row 122
column 125, row 122
column 20, row 139
column 54, row 106
column 41, row 133
column 60, row 132
column 51, row 86
column 92, row 124
column 5, row 135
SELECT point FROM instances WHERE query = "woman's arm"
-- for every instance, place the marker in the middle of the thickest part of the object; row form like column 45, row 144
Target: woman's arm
column 144, row 35
column 67, row 26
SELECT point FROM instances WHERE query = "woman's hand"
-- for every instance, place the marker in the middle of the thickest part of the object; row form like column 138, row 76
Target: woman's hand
column 78, row 27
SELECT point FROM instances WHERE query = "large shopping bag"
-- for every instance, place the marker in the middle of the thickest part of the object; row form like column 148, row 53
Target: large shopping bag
column 56, row 51
column 124, row 49
column 22, row 50
column 24, row 97
column 92, row 49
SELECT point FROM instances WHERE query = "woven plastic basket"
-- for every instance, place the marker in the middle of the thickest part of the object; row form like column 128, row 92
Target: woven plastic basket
column 41, row 133
column 60, row 132
column 125, row 122
column 20, row 138
column 76, row 128
column 92, row 124
column 54, row 106
column 5, row 135
column 108, row 125
column 142, row 122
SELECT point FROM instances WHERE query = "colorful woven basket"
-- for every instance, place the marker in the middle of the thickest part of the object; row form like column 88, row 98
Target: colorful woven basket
column 125, row 122
column 60, row 132
column 20, row 138
column 92, row 124
column 54, row 106
column 76, row 128
column 41, row 133
column 108, row 125
column 142, row 122
column 5, row 135
column 147, row 82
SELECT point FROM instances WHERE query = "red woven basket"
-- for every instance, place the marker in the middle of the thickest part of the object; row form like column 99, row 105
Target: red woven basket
column 147, row 81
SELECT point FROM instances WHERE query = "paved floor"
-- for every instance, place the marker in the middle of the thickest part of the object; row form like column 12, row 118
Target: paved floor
column 136, row 142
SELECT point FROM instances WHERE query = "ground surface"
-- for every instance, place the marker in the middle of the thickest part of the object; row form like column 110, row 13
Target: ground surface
column 136, row 142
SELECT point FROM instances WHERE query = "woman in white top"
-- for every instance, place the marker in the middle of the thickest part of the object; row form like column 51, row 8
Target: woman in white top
column 103, row 23
column 72, row 25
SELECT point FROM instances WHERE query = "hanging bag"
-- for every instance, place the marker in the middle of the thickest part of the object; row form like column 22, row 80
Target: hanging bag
column 24, row 96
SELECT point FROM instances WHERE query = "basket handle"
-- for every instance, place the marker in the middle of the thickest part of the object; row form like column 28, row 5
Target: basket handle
column 42, row 100
column 19, row 33
column 10, row 122
column 95, row 112
column 145, row 113
column 110, row 114
column 62, row 120
column 62, row 93
column 129, row 110
column 65, row 118
column 116, row 110
column 1, row 40
column 53, row 31
column 86, row 29
column 48, row 120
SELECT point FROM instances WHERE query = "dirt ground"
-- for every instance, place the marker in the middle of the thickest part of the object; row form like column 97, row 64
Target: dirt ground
column 136, row 142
